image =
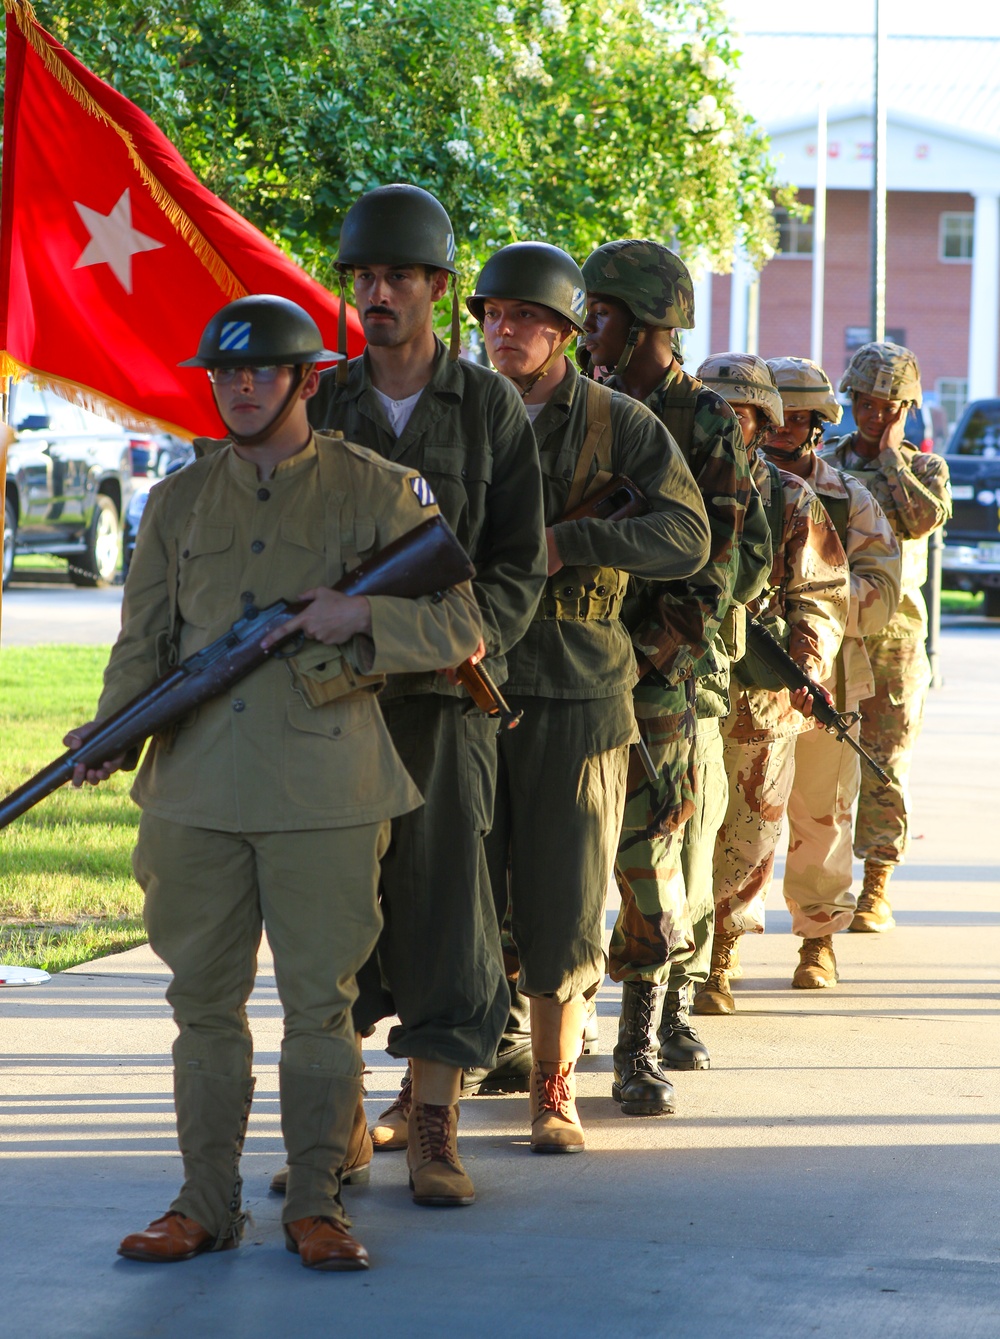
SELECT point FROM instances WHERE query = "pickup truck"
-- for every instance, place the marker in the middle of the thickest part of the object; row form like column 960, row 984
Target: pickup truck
column 971, row 559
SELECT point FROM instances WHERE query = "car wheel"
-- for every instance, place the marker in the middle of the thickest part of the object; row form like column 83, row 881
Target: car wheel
column 100, row 563
column 9, row 534
column 991, row 601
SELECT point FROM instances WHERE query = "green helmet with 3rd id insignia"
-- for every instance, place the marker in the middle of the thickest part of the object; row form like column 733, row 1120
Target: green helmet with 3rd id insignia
column 532, row 272
column 259, row 330
column 743, row 378
column 397, row 225
column 652, row 282
column 886, row 371
column 804, row 385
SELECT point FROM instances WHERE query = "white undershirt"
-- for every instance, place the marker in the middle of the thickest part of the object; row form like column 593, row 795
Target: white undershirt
column 398, row 411
column 535, row 409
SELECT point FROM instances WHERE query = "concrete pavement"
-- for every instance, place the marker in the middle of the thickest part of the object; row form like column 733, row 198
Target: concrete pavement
column 835, row 1173
column 58, row 613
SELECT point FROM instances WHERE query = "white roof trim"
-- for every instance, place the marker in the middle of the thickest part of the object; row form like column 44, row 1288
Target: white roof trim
column 854, row 111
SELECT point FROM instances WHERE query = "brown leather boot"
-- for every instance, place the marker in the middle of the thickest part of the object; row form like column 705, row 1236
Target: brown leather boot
column 817, row 966
column 437, row 1177
column 356, row 1170
column 713, row 996
column 389, row 1132
column 325, row 1243
column 555, row 1123
column 874, row 914
column 171, row 1238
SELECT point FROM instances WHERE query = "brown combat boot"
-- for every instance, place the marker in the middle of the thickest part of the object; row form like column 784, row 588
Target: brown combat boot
column 874, row 914
column 713, row 996
column 356, row 1170
column 817, row 965
column 390, row 1131
column 437, row 1177
column 555, row 1123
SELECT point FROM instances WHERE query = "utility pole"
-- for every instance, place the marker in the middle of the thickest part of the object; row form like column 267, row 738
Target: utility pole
column 878, row 208
column 819, row 234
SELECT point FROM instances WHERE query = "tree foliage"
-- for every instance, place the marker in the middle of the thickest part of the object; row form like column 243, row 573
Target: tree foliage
column 534, row 119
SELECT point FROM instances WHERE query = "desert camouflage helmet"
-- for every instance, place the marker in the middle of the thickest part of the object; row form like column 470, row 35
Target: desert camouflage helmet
column 887, row 371
column 743, row 378
column 532, row 272
column 804, row 385
column 647, row 277
column 397, row 225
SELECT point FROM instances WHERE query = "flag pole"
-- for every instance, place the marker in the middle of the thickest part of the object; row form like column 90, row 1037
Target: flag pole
column 6, row 436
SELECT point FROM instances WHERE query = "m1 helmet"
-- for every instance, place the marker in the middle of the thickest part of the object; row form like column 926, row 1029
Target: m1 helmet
column 887, row 371
column 532, row 272
column 260, row 330
column 397, row 225
column 743, row 378
column 651, row 281
column 804, row 385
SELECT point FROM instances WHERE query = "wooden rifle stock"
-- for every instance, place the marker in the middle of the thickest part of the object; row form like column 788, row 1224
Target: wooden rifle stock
column 777, row 659
column 616, row 501
column 424, row 561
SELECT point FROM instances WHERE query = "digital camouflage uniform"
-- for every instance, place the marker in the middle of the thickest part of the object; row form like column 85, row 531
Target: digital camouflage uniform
column 913, row 490
column 439, row 961
column 818, row 874
column 572, row 674
column 809, row 588
column 272, row 802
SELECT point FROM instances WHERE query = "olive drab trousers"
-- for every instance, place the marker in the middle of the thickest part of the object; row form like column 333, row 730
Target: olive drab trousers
column 208, row 894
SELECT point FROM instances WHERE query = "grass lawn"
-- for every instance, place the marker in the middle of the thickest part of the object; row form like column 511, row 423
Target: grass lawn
column 961, row 602
column 66, row 889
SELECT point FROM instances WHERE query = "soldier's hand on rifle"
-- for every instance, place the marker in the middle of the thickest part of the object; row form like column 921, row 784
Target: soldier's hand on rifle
column 92, row 775
column 802, row 699
column 478, row 654
column 555, row 562
column 331, row 618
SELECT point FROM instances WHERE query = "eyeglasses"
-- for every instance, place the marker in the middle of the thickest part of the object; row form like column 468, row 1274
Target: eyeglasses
column 260, row 376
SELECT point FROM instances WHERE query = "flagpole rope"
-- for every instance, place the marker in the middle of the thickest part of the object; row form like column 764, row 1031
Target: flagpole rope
column 34, row 35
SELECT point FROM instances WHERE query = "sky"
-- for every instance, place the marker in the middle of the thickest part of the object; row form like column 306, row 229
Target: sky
column 912, row 17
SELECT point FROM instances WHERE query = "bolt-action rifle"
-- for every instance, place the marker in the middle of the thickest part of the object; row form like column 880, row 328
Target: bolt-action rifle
column 424, row 561
column 784, row 667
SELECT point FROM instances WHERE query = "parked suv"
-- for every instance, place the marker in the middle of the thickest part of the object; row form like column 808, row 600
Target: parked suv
column 70, row 476
column 972, row 539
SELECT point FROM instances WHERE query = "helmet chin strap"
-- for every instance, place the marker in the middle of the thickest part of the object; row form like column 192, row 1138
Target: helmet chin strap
column 302, row 370
column 546, row 367
column 631, row 340
column 810, row 444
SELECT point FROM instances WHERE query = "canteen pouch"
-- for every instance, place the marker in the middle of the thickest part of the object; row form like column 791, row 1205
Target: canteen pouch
column 322, row 674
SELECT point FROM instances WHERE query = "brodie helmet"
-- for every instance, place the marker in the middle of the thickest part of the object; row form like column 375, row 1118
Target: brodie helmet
column 887, row 371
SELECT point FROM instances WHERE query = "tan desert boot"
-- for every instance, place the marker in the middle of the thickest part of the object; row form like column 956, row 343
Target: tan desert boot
column 555, row 1123
column 437, row 1177
column 713, row 996
column 817, row 966
column 874, row 914
column 389, row 1132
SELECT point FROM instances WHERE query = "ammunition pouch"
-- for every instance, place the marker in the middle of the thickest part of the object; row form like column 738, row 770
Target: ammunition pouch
column 751, row 671
column 733, row 631
column 321, row 674
column 583, row 593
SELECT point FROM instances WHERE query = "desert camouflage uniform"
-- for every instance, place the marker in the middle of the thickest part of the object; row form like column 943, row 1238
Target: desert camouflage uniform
column 913, row 490
column 817, row 883
column 810, row 589
column 663, row 929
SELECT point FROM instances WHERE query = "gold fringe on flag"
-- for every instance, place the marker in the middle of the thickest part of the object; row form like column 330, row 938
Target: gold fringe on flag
column 94, row 401
column 202, row 248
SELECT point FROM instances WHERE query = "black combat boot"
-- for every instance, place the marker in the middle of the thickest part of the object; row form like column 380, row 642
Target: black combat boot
column 512, row 1071
column 680, row 1045
column 640, row 1085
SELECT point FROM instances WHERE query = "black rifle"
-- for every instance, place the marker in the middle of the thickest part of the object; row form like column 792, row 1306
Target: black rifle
column 784, row 667
column 424, row 561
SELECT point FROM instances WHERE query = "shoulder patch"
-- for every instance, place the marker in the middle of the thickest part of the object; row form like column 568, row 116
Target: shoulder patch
column 422, row 489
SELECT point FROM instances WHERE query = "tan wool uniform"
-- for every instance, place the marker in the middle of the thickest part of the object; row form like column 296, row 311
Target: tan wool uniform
column 913, row 489
column 818, row 872
column 271, row 804
column 810, row 589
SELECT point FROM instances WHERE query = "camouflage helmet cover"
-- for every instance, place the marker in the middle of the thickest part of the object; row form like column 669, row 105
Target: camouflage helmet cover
column 532, row 272
column 259, row 330
column 887, row 371
column 647, row 277
column 804, row 385
column 399, row 224
column 743, row 378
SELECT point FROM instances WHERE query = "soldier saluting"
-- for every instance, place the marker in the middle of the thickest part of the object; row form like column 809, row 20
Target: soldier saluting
column 273, row 804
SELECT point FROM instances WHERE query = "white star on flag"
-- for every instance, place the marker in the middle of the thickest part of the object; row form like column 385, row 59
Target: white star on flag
column 113, row 240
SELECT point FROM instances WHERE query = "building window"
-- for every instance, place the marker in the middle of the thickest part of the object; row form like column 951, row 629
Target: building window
column 956, row 236
column 856, row 335
column 795, row 235
column 953, row 396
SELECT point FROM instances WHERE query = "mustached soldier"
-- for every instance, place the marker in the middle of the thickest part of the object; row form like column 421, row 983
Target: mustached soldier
column 466, row 430
column 914, row 492
column 272, row 804
column 573, row 671
column 806, row 603
column 683, row 633
column 818, row 876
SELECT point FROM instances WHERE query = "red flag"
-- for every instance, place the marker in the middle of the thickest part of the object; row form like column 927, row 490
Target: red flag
column 112, row 254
